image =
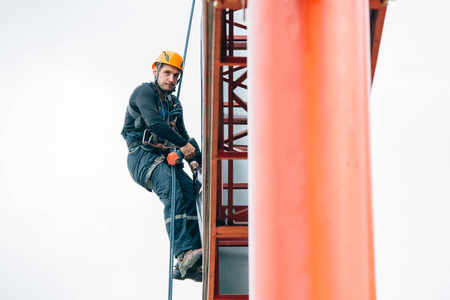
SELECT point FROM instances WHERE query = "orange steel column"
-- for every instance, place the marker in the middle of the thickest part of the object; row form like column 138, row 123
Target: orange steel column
column 310, row 209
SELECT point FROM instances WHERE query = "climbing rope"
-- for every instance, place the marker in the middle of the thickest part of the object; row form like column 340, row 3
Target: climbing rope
column 173, row 195
column 172, row 230
column 185, row 47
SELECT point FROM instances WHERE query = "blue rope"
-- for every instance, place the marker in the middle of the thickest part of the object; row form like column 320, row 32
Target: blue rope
column 172, row 230
column 185, row 47
column 172, row 202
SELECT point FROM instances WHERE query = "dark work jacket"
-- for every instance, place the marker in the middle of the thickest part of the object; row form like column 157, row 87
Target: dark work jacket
column 146, row 101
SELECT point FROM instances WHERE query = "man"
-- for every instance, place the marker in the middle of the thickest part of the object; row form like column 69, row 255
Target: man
column 154, row 123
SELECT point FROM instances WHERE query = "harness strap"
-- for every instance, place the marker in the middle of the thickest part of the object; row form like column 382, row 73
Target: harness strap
column 148, row 176
column 134, row 114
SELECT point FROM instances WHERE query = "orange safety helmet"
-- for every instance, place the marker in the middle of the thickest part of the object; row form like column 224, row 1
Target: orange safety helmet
column 170, row 58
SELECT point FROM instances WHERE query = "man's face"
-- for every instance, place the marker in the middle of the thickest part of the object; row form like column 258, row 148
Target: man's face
column 168, row 77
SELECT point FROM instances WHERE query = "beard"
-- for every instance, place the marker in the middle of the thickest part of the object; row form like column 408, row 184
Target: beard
column 168, row 88
column 165, row 88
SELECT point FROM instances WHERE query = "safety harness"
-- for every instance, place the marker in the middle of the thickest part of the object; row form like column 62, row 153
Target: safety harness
column 165, row 114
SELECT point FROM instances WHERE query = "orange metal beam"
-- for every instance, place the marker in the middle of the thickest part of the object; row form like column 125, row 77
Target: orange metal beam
column 376, row 25
column 310, row 192
column 232, row 4
column 377, row 4
column 232, row 232
column 214, row 155
column 209, row 165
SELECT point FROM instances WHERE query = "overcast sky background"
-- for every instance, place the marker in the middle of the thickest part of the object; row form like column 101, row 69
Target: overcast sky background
column 74, row 225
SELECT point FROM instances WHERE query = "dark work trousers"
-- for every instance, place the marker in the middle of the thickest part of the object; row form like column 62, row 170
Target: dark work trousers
column 187, row 234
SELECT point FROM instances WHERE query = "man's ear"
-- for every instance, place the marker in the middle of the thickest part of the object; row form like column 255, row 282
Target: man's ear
column 155, row 69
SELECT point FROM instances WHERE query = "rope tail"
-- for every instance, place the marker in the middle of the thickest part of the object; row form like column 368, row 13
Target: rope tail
column 172, row 230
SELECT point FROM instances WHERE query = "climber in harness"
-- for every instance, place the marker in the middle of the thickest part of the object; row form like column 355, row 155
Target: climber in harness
column 153, row 126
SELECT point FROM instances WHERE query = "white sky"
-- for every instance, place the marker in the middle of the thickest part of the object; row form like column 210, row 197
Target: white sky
column 410, row 108
column 73, row 224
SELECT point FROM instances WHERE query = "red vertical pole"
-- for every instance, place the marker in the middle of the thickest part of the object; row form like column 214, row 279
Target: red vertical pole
column 310, row 210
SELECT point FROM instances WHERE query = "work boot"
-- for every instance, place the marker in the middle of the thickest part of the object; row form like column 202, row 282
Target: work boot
column 176, row 272
column 189, row 260
column 195, row 275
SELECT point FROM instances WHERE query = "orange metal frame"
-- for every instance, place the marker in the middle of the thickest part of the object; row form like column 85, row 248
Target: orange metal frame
column 226, row 225
column 377, row 15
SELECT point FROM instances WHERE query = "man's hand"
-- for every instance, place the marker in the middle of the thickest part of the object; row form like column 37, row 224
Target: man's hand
column 193, row 165
column 188, row 151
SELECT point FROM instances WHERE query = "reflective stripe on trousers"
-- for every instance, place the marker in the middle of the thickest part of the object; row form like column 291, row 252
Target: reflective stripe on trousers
column 187, row 234
column 182, row 216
